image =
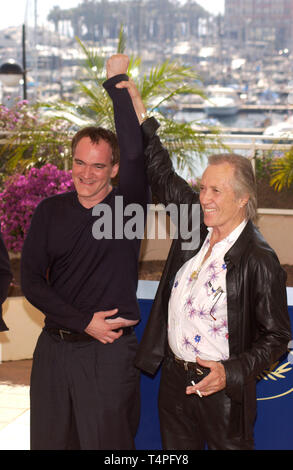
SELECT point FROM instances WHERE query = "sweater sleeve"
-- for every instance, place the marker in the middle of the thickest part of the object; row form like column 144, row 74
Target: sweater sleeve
column 133, row 183
column 35, row 263
column 5, row 279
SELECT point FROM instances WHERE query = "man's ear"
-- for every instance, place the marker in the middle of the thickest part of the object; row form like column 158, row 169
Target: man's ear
column 115, row 169
column 243, row 201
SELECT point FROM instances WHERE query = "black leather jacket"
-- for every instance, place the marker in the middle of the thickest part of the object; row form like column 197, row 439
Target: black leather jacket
column 258, row 319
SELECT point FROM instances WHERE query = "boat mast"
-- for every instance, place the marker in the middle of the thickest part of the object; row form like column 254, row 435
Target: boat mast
column 35, row 43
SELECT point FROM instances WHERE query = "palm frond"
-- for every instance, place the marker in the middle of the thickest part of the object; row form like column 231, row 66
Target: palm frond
column 282, row 172
column 93, row 62
column 168, row 78
column 121, row 41
column 186, row 145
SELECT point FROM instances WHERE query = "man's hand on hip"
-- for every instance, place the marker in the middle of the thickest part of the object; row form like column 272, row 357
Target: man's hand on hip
column 213, row 382
column 117, row 64
column 102, row 330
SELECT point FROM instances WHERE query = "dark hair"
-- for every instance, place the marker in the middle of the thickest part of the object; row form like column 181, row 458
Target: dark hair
column 96, row 134
column 244, row 179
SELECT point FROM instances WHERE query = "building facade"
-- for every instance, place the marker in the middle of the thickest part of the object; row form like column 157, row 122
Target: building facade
column 263, row 22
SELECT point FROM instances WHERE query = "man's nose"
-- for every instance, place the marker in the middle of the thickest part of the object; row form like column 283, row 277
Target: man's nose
column 87, row 171
column 205, row 196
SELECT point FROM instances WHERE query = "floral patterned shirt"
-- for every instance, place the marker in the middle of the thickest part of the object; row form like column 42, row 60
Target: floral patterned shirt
column 197, row 323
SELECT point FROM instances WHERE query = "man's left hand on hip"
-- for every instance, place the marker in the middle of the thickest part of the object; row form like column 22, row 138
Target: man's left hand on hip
column 212, row 383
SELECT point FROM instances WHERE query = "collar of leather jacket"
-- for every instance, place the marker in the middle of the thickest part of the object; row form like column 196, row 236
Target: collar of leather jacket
column 249, row 233
column 234, row 254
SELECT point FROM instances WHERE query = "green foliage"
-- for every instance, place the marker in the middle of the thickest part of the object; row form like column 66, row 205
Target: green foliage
column 263, row 165
column 158, row 87
column 121, row 41
column 31, row 138
column 276, row 169
column 282, row 171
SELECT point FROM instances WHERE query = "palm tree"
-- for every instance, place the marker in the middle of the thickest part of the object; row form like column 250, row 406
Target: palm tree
column 282, row 171
column 158, row 88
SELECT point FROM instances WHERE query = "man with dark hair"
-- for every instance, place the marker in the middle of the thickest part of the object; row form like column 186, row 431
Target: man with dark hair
column 84, row 386
column 220, row 314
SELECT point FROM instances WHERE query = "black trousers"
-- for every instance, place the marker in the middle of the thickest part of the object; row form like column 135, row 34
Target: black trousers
column 84, row 395
column 189, row 422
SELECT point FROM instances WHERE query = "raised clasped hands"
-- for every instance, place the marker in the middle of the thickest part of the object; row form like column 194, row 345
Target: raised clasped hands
column 212, row 383
column 116, row 65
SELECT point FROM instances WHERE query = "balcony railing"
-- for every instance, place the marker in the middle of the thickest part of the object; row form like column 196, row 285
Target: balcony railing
column 250, row 144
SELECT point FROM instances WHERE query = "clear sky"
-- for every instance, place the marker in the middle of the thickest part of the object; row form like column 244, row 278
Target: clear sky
column 14, row 11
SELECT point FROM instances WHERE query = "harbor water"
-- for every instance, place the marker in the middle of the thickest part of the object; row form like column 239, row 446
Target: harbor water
column 241, row 120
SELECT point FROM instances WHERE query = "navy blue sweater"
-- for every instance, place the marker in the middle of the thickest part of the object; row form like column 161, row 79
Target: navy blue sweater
column 66, row 272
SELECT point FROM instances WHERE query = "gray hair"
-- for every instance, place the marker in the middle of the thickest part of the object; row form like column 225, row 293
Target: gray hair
column 244, row 182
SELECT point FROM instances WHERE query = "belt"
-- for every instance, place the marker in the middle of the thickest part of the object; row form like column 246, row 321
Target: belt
column 67, row 335
column 127, row 330
column 199, row 370
column 71, row 336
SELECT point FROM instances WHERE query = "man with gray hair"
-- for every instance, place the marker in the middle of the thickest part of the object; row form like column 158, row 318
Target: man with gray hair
column 220, row 314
